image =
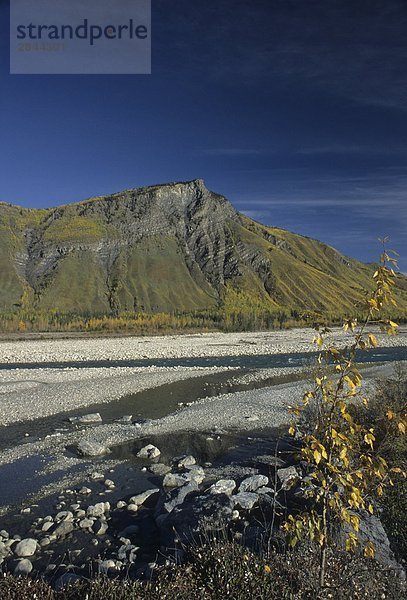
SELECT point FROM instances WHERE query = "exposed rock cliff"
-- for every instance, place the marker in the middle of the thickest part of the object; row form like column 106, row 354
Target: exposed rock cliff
column 167, row 247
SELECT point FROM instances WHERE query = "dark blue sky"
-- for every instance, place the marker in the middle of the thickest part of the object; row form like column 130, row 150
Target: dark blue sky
column 296, row 110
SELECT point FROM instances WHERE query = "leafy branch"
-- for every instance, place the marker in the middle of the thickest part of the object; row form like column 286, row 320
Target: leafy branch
column 340, row 451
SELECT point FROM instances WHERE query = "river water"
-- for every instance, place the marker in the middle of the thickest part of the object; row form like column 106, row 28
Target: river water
column 152, row 403
column 261, row 361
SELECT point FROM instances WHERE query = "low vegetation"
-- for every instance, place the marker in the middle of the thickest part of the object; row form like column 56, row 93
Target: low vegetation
column 227, row 570
column 247, row 316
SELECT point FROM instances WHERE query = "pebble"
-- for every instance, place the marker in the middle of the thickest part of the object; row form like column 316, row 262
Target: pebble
column 95, row 475
column 86, row 523
column 100, row 527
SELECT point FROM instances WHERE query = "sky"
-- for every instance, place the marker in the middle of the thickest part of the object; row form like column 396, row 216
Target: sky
column 295, row 110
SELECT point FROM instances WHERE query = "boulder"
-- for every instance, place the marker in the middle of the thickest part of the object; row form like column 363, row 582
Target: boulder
column 253, row 483
column 196, row 472
column 223, row 486
column 207, row 512
column 175, row 480
column 98, row 510
column 159, row 469
column 124, row 419
column 64, row 515
column 86, row 523
column 100, row 527
column 187, row 460
column 105, row 565
column 175, row 497
column 26, row 547
column 92, row 448
column 371, row 529
column 23, row 568
column 96, row 475
column 63, row 529
column 245, row 500
column 139, row 499
column 86, row 419
column 150, row 451
column 128, row 553
column 288, row 477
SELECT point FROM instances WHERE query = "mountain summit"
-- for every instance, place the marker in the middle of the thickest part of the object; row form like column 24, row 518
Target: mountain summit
column 170, row 247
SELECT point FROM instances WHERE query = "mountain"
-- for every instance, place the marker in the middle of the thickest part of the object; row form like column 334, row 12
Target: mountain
column 172, row 247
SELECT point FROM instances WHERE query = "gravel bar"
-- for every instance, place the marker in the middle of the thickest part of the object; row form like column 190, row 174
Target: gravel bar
column 175, row 346
column 27, row 394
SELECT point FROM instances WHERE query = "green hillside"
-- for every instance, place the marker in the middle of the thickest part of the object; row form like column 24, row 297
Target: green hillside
column 174, row 248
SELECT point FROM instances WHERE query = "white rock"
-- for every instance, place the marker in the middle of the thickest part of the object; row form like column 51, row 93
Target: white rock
column 86, row 523
column 85, row 419
column 23, row 567
column 175, row 480
column 26, row 547
column 245, row 500
column 184, row 461
column 223, row 486
column 139, row 499
column 105, row 565
column 64, row 515
column 150, row 451
column 253, row 483
column 288, row 477
column 95, row 475
column 196, row 473
column 98, row 510
column 159, row 469
column 92, row 448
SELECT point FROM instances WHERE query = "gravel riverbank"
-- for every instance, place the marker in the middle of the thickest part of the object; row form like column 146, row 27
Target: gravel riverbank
column 176, row 346
column 27, row 394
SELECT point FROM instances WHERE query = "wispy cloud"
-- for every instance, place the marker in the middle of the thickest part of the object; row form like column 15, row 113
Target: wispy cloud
column 380, row 199
column 353, row 149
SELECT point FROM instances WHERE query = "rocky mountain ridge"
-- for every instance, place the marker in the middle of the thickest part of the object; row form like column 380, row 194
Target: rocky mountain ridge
column 170, row 247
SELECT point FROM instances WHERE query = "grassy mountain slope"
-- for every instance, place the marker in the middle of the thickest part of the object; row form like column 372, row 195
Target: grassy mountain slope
column 174, row 247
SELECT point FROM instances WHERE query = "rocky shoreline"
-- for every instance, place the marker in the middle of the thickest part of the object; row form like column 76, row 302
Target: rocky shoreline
column 132, row 535
column 99, row 506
